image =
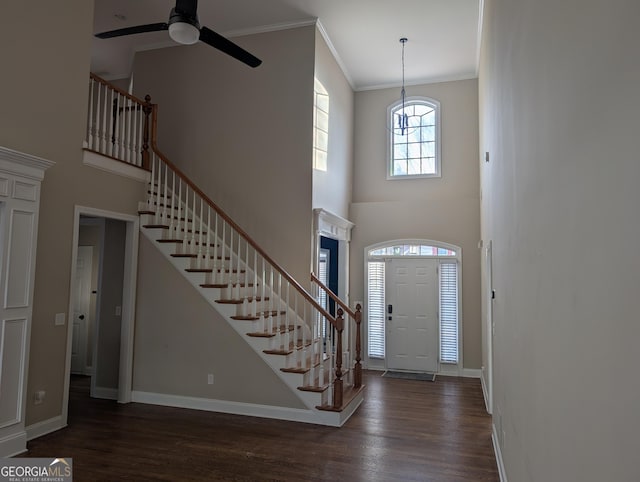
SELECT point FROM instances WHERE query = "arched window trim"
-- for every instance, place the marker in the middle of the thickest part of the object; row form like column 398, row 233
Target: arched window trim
column 419, row 242
column 412, row 100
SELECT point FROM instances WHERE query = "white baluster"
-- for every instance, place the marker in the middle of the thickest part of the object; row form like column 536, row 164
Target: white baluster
column 120, row 129
column 91, row 124
column 296, row 330
column 193, row 226
column 127, row 135
column 165, row 208
column 177, row 234
column 224, row 243
column 185, row 230
column 200, row 236
column 151, row 198
column 216, row 240
column 263, row 289
column 105, row 126
column 110, row 119
column 133, row 118
column 98, row 117
column 207, row 251
column 173, row 200
column 255, row 276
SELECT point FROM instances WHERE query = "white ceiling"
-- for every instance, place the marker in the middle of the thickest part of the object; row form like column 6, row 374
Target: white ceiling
column 364, row 34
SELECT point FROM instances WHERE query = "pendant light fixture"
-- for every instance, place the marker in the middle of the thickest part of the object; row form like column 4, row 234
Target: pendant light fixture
column 403, row 118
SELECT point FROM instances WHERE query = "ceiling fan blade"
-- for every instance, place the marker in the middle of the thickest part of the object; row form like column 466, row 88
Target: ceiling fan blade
column 152, row 27
column 216, row 40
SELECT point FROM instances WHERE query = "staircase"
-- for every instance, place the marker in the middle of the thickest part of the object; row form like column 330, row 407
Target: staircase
column 280, row 320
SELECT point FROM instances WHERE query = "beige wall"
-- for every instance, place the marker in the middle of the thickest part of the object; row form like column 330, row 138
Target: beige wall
column 559, row 94
column 442, row 209
column 178, row 344
column 332, row 188
column 43, row 112
column 243, row 135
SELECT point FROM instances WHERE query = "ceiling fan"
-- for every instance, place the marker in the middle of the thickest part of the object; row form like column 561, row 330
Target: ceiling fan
column 184, row 28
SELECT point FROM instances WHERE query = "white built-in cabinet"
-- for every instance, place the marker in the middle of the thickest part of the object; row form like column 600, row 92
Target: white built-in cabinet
column 20, row 178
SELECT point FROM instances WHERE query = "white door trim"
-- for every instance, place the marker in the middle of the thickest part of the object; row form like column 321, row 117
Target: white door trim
column 128, row 302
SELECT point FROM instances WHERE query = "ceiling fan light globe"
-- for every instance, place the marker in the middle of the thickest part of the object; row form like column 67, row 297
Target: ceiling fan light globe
column 184, row 33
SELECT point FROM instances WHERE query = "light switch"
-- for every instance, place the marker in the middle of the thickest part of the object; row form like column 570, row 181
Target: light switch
column 60, row 318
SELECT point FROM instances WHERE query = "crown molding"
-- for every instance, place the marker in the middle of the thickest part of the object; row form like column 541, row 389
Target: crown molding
column 20, row 163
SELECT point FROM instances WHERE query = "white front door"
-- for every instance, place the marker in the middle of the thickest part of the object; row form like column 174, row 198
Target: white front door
column 81, row 312
column 412, row 314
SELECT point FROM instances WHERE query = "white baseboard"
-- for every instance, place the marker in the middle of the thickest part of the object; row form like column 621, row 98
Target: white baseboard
column 485, row 392
column 464, row 373
column 224, row 406
column 13, row 444
column 498, row 452
column 471, row 372
column 105, row 393
column 43, row 428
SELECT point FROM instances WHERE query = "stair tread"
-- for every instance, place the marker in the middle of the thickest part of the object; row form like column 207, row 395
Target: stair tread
column 258, row 316
column 270, row 334
column 311, row 388
column 278, row 352
column 348, row 395
column 262, row 334
column 239, row 301
column 156, row 226
column 210, row 270
column 189, row 255
column 300, row 370
column 180, row 241
column 226, row 285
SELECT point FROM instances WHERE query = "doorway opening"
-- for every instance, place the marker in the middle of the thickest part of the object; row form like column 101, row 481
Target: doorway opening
column 102, row 303
column 412, row 306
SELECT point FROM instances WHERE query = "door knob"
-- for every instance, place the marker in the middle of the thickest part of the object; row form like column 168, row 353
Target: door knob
column 81, row 317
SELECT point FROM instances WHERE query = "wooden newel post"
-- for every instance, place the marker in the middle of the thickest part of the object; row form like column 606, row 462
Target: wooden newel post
column 147, row 108
column 337, row 383
column 357, row 370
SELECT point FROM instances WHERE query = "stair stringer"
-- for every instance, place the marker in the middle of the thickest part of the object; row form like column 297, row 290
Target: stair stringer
column 275, row 362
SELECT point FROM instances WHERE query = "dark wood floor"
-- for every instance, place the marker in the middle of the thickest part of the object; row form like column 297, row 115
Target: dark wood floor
column 404, row 431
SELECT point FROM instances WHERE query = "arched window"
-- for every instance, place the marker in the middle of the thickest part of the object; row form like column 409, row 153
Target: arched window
column 414, row 139
column 448, row 258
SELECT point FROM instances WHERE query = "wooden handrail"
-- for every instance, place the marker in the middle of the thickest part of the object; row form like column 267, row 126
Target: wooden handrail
column 230, row 222
column 117, row 89
column 333, row 296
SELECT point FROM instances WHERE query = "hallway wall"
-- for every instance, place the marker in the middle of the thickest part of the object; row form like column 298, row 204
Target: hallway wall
column 559, row 116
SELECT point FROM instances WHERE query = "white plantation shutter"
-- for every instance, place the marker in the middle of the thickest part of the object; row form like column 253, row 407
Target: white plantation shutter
column 448, row 313
column 375, row 309
column 322, row 276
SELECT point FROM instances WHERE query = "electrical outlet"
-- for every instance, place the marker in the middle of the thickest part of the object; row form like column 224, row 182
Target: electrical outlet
column 118, row 310
column 210, row 379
